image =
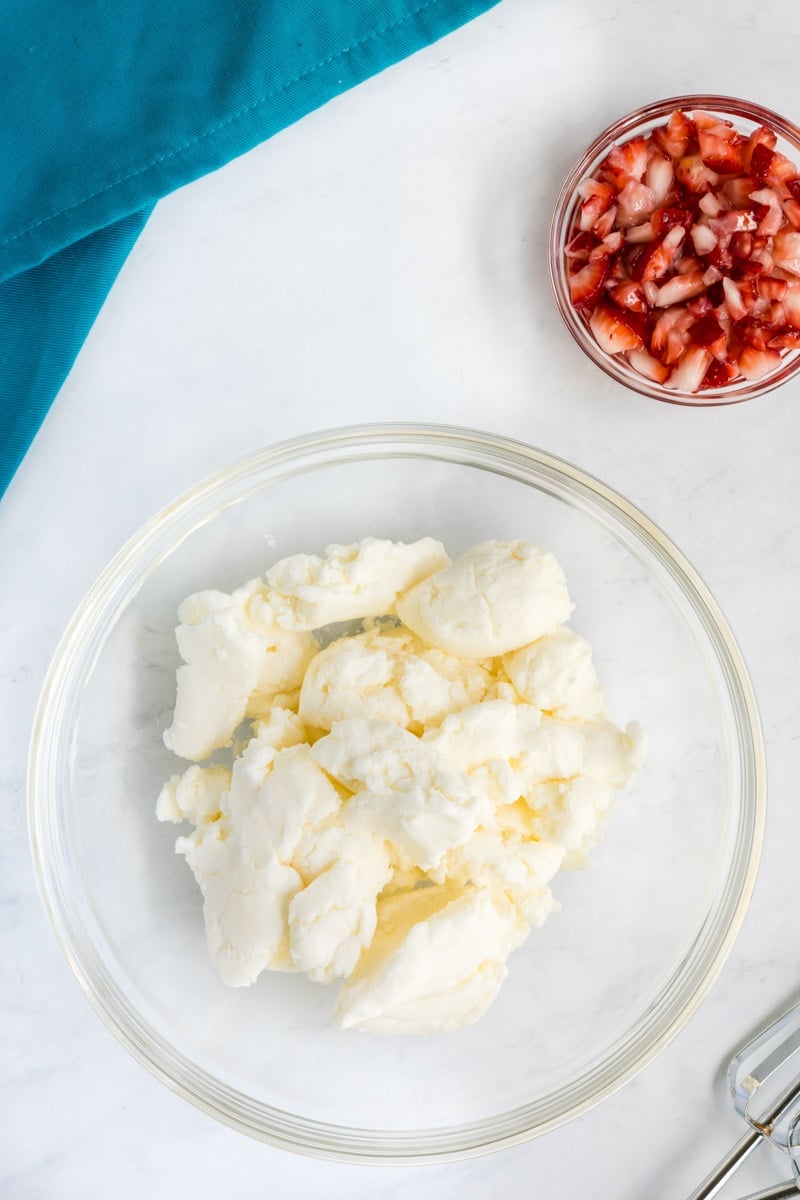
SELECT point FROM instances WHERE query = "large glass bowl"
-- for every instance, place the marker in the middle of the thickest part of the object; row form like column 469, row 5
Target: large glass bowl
column 590, row 998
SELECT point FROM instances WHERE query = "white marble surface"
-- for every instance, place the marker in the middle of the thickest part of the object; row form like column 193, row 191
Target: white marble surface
column 383, row 259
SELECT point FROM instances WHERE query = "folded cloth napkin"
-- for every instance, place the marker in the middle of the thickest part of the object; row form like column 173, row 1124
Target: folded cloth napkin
column 109, row 104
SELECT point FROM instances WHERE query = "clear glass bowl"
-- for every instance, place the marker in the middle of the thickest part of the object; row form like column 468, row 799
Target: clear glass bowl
column 746, row 116
column 590, row 998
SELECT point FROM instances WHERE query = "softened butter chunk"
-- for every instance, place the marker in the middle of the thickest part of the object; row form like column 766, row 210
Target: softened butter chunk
column 435, row 964
column 391, row 675
column 495, row 598
column 556, row 674
column 233, row 655
column 307, row 591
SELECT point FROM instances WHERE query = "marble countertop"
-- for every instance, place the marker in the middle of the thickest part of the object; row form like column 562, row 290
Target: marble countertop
column 386, row 258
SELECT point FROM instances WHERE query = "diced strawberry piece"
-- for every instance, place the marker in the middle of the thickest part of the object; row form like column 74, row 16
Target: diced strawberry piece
column 711, row 205
column 658, row 257
column 710, row 121
column 733, row 300
column 650, row 290
column 711, row 276
column 612, row 329
column 630, row 295
column 791, row 210
column 793, row 187
column 689, row 373
column 601, row 250
column 695, row 175
column 703, row 238
column 729, row 223
column 786, row 250
column 673, row 323
column 768, row 166
column 775, row 314
column 700, row 306
column 718, row 375
column 659, row 177
column 787, row 339
column 648, row 366
column 772, row 288
column 687, row 264
column 755, row 364
column 709, row 333
column 741, row 245
column 674, row 137
column 605, row 223
column 759, row 137
column 720, row 258
column 753, row 332
column 627, row 162
column 579, row 247
column 614, row 241
column 677, row 344
column 585, row 285
column 598, row 199
column 721, row 154
column 680, row 288
column 791, row 303
column 761, row 262
column 635, row 203
column 737, row 191
column 638, row 234
column 667, row 218
column 770, row 213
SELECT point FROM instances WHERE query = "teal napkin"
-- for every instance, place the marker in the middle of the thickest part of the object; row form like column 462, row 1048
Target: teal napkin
column 109, row 104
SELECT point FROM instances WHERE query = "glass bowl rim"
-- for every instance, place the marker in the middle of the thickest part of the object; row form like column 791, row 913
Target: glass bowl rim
column 561, row 222
column 121, row 580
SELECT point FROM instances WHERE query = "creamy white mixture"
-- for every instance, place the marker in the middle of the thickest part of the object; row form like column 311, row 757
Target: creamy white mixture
column 399, row 801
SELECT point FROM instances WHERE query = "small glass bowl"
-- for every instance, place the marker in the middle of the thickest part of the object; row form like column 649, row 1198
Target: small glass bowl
column 746, row 117
column 592, row 996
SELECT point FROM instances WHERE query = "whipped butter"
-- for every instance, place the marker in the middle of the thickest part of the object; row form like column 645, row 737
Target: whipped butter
column 398, row 799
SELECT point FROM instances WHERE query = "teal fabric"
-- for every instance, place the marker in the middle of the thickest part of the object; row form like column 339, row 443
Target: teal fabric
column 107, row 105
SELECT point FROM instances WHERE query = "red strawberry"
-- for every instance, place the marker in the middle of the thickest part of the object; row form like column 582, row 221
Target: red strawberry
column 680, row 288
column 674, row 137
column 709, row 333
column 667, row 218
column 787, row 339
column 626, row 162
column 612, row 331
column 786, row 251
column 791, row 210
column 767, row 166
column 759, row 137
column 605, row 223
column 772, row 288
column 793, row 186
column 703, row 238
column 720, row 154
column 737, row 191
column 689, row 373
column 635, row 203
column 733, row 300
column 597, row 198
column 578, row 249
column 629, row 295
column 648, row 366
column 637, row 234
column 585, row 285
column 695, row 175
column 755, row 364
column 658, row 257
column 659, row 177
column 769, row 213
column 791, row 303
column 718, row 375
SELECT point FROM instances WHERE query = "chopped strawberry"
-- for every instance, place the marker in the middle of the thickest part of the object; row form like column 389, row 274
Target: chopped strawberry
column 612, row 330
column 721, row 154
column 755, row 364
column 629, row 295
column 772, row 288
column 659, row 177
column 709, row 333
column 787, row 339
column 657, row 258
column 703, row 238
column 648, row 366
column 680, row 288
column 586, row 284
column 635, row 203
column 598, row 197
column 626, row 162
column 718, row 375
column 770, row 213
column 759, row 137
column 689, row 373
column 695, row 175
column 685, row 253
column 579, row 247
column 786, row 251
column 791, row 210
